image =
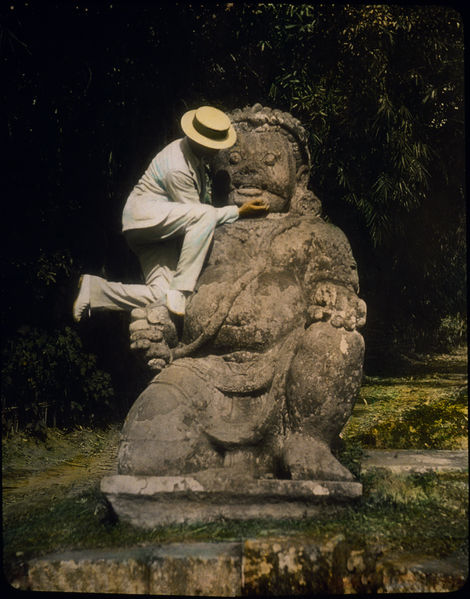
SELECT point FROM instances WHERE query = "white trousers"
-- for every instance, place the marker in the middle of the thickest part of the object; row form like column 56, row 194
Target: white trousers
column 163, row 264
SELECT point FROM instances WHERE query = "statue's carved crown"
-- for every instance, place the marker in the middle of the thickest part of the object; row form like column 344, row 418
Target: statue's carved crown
column 262, row 118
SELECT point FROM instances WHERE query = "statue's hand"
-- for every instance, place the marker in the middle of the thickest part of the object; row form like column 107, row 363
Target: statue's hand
column 338, row 305
column 152, row 334
column 157, row 355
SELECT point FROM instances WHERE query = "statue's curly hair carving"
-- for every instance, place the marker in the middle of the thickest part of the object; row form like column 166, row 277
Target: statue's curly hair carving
column 263, row 118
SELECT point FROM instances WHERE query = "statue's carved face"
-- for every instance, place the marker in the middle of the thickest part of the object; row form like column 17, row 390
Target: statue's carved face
column 260, row 165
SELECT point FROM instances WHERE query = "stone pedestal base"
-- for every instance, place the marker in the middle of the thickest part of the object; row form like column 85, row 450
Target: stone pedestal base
column 149, row 501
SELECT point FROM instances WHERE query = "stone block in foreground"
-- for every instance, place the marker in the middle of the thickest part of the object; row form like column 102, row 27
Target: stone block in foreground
column 90, row 572
column 209, row 569
column 268, row 566
column 148, row 501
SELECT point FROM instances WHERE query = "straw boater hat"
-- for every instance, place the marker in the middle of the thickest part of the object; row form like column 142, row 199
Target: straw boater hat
column 209, row 127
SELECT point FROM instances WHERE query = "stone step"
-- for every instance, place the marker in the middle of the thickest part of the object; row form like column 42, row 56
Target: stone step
column 149, row 501
column 268, row 566
column 418, row 461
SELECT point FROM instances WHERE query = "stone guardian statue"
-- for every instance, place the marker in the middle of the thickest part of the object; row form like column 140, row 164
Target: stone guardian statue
column 241, row 415
column 271, row 358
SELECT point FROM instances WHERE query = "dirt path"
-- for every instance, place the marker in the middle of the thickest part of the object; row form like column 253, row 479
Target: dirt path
column 28, row 478
column 450, row 365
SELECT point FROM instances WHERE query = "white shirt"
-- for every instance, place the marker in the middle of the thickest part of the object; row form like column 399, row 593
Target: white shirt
column 176, row 174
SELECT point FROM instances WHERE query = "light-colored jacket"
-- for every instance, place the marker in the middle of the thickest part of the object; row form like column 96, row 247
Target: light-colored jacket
column 176, row 174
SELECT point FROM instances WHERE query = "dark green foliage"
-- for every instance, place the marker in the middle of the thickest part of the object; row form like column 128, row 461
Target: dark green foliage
column 452, row 331
column 351, row 455
column 46, row 376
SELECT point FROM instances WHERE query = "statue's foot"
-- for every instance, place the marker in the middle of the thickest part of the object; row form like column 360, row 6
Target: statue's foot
column 307, row 458
column 222, row 475
column 239, row 465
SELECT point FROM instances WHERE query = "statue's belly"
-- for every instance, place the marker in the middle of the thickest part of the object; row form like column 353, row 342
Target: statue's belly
column 262, row 312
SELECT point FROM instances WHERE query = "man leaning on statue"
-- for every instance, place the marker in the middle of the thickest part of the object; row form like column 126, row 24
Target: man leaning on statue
column 170, row 201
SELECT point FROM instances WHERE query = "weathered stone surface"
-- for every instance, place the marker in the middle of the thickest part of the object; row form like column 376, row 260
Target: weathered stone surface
column 411, row 574
column 288, row 566
column 293, row 566
column 284, row 567
column 270, row 359
column 403, row 461
column 122, row 571
column 299, row 566
column 209, row 569
column 153, row 501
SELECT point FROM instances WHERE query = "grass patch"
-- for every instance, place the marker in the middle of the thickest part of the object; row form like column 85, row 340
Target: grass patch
column 401, row 513
column 409, row 413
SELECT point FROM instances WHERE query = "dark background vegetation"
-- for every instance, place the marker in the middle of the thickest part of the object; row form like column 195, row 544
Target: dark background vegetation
column 93, row 90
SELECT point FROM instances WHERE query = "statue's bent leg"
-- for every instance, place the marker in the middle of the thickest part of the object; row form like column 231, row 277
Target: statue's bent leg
column 162, row 434
column 322, row 386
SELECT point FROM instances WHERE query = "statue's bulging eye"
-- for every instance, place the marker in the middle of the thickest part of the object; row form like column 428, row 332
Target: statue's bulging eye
column 235, row 157
column 269, row 159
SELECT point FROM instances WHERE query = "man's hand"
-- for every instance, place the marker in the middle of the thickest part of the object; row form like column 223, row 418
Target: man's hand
column 253, row 207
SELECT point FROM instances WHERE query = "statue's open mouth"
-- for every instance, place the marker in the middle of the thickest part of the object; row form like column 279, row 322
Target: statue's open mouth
column 240, row 195
column 249, row 191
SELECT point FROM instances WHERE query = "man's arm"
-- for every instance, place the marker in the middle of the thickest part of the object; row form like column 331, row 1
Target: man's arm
column 229, row 214
column 181, row 188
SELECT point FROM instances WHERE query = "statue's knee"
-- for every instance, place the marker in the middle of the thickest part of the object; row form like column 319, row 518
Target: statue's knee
column 325, row 374
column 155, row 433
column 162, row 434
column 332, row 347
column 156, row 405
